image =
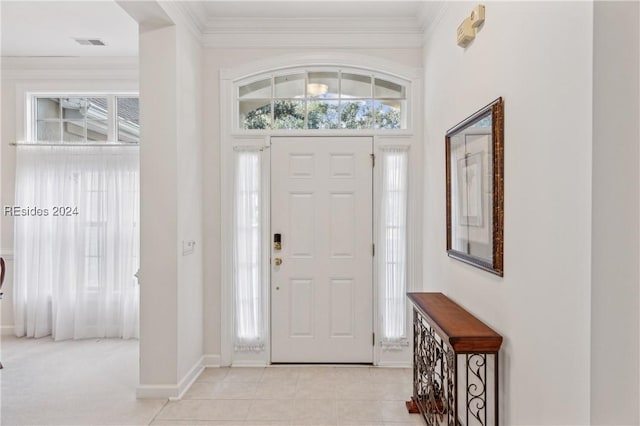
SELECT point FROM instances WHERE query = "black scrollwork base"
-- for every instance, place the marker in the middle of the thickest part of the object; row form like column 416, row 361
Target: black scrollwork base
column 445, row 395
column 476, row 388
column 433, row 375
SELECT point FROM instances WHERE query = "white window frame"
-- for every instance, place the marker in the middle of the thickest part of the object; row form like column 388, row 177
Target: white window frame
column 271, row 76
column 30, row 119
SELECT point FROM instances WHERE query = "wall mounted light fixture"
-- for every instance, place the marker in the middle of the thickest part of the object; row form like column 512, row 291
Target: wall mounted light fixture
column 469, row 27
column 466, row 33
column 477, row 16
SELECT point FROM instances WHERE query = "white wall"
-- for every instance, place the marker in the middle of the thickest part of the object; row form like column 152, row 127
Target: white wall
column 171, row 318
column 21, row 75
column 158, row 208
column 615, row 251
column 216, row 60
column 538, row 57
column 171, row 186
column 190, row 191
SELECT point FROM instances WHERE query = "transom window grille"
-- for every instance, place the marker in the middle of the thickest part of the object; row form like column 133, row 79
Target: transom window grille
column 78, row 119
column 322, row 100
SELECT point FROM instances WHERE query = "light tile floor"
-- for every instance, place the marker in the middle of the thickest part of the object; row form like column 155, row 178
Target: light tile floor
column 93, row 382
column 294, row 395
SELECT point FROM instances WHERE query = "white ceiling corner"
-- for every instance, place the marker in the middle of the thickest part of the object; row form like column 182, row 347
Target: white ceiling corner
column 188, row 14
column 46, row 28
column 197, row 12
column 432, row 14
column 309, row 23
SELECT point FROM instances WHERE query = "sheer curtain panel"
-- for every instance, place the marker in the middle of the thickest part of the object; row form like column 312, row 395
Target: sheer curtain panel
column 76, row 247
column 248, row 276
column 391, row 255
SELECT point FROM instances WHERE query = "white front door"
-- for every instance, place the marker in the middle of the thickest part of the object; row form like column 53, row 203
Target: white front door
column 322, row 292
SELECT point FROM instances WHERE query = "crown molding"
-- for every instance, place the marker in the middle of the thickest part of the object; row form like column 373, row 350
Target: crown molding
column 424, row 16
column 246, row 32
column 311, row 41
column 285, row 25
column 196, row 12
column 188, row 14
column 35, row 68
column 312, row 33
column 437, row 13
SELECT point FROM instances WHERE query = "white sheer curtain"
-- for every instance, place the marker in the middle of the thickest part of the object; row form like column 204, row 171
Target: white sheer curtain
column 76, row 245
column 248, row 274
column 392, row 246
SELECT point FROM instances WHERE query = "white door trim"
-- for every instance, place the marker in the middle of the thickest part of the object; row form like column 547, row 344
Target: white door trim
column 229, row 139
column 381, row 357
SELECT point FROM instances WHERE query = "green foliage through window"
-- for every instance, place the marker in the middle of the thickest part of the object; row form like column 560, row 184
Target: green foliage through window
column 290, row 114
column 334, row 101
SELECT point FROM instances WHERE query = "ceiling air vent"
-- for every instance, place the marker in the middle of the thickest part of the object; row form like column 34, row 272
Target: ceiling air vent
column 90, row 41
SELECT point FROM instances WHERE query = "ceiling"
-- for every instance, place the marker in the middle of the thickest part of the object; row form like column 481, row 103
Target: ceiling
column 48, row 28
column 312, row 9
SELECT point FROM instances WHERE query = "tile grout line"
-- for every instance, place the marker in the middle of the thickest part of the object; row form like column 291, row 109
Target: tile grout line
column 158, row 413
column 298, row 380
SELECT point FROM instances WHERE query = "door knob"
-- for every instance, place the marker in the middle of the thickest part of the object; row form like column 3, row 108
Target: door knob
column 278, row 261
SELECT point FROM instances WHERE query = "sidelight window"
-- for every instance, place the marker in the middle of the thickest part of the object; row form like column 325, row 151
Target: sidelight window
column 392, row 243
column 248, row 275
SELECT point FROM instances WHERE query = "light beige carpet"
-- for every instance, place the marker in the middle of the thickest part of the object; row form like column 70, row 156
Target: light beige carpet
column 82, row 382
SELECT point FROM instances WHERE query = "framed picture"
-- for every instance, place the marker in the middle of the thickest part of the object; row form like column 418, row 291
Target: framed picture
column 470, row 189
column 475, row 188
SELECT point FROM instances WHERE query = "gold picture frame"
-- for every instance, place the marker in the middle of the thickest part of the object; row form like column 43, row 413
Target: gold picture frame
column 475, row 188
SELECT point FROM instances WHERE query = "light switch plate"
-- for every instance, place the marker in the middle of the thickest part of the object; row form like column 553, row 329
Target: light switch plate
column 188, row 247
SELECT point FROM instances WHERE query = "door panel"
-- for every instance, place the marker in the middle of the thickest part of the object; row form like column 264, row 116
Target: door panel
column 322, row 293
column 301, row 220
column 301, row 313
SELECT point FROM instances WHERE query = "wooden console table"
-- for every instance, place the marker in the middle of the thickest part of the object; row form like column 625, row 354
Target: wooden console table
column 455, row 364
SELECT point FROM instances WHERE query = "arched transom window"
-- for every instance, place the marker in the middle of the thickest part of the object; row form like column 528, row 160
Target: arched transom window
column 322, row 99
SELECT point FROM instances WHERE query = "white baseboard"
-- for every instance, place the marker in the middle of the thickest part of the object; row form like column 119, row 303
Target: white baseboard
column 211, row 361
column 171, row 392
column 6, row 330
column 156, row 391
column 395, row 364
column 249, row 363
column 189, row 378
